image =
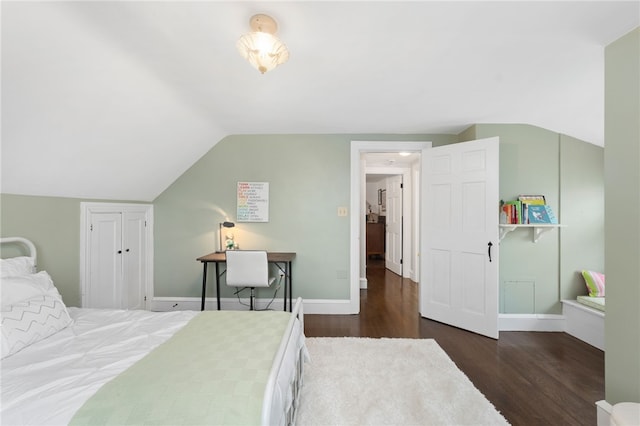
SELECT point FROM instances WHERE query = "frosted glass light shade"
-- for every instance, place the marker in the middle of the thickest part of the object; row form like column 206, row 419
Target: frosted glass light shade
column 264, row 51
column 261, row 47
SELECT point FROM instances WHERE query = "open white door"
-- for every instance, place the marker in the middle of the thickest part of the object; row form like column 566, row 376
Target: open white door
column 459, row 237
column 393, row 229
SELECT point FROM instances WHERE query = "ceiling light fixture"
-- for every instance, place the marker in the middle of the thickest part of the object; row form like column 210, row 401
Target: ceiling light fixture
column 261, row 47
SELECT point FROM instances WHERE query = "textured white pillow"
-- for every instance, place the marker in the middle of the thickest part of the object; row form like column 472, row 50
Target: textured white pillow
column 30, row 321
column 17, row 289
column 16, row 266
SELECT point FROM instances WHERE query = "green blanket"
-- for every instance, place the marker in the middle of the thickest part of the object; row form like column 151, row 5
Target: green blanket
column 213, row 371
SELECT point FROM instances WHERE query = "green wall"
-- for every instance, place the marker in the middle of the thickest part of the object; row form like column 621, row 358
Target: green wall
column 53, row 225
column 534, row 277
column 622, row 226
column 309, row 178
column 582, row 212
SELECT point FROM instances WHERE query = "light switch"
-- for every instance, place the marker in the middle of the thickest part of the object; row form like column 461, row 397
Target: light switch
column 342, row 211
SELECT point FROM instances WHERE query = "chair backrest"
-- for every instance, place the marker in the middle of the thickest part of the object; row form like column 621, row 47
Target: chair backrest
column 247, row 268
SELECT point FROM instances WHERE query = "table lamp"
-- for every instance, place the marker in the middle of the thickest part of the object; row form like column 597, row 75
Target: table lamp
column 224, row 225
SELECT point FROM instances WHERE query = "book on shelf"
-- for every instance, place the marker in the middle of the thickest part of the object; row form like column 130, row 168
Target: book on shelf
column 552, row 217
column 513, row 211
column 527, row 209
column 532, row 199
column 538, row 213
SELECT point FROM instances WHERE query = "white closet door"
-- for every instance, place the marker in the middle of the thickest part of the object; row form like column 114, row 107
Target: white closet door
column 116, row 264
column 105, row 271
column 134, row 258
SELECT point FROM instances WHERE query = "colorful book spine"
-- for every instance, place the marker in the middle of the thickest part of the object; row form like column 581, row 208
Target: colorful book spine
column 515, row 212
column 525, row 213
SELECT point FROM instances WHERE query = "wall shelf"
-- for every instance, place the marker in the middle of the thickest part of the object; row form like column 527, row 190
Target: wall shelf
column 537, row 229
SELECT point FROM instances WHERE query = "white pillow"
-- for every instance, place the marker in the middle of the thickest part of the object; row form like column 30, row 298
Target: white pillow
column 16, row 266
column 30, row 321
column 17, row 289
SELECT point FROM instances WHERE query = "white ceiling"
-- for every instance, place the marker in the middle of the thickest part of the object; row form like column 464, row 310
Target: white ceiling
column 116, row 99
column 389, row 163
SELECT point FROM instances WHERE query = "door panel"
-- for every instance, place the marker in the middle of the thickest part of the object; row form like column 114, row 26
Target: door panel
column 393, row 250
column 441, row 271
column 441, row 208
column 134, row 260
column 105, row 290
column 459, row 284
column 473, row 302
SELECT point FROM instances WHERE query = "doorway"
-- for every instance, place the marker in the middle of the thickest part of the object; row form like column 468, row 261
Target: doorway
column 460, row 183
column 389, row 221
column 411, row 177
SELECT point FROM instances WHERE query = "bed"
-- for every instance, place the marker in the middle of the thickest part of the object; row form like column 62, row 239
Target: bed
column 89, row 366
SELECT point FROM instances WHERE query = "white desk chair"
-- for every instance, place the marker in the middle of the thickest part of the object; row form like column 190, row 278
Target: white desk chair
column 248, row 268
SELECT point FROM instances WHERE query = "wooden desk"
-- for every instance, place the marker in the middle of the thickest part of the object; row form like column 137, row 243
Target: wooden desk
column 281, row 260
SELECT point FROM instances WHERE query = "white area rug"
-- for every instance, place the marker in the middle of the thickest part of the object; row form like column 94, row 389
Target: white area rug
column 358, row 381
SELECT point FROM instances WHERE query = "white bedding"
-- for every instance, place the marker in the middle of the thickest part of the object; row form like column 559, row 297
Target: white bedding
column 45, row 380
column 45, row 383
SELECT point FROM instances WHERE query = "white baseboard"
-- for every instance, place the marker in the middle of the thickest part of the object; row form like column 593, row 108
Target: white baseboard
column 310, row 306
column 363, row 283
column 327, row 307
column 530, row 322
column 163, row 304
column 506, row 322
column 603, row 409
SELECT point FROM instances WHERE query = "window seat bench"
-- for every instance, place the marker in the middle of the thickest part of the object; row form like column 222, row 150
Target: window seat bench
column 584, row 322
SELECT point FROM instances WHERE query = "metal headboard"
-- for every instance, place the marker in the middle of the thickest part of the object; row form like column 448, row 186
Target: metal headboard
column 20, row 240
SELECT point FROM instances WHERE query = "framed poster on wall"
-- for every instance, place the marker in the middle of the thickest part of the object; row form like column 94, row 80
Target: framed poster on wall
column 253, row 202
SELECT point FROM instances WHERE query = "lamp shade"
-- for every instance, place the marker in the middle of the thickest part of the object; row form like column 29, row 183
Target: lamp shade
column 261, row 47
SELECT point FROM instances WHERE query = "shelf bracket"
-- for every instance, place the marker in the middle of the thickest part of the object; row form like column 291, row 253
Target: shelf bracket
column 504, row 230
column 538, row 231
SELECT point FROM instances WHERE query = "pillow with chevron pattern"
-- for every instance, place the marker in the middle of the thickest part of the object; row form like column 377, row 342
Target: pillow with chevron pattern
column 30, row 321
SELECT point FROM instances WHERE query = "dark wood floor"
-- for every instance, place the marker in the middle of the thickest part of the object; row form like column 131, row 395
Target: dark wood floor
column 531, row 378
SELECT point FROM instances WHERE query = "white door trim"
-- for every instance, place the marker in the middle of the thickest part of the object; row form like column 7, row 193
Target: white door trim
column 86, row 209
column 358, row 208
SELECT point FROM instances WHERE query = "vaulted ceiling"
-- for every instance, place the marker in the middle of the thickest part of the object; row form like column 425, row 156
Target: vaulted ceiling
column 116, row 99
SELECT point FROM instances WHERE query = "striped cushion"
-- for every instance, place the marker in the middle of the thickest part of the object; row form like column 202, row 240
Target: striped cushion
column 594, row 282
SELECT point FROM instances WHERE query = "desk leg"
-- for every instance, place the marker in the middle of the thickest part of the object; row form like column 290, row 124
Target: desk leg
column 204, row 285
column 218, row 284
column 290, row 287
column 286, row 285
